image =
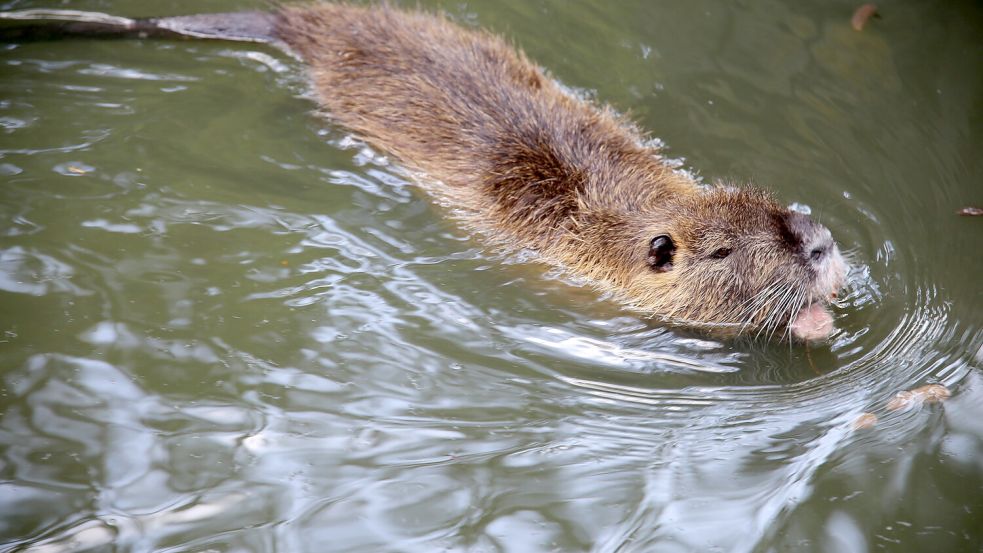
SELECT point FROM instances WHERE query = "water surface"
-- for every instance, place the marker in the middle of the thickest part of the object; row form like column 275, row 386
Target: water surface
column 225, row 325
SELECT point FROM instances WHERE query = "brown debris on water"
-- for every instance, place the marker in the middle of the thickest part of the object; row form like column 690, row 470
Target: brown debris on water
column 865, row 420
column 930, row 393
column 905, row 399
column 861, row 15
column 901, row 400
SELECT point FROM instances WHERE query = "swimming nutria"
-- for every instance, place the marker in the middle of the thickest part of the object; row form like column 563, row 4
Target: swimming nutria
column 533, row 166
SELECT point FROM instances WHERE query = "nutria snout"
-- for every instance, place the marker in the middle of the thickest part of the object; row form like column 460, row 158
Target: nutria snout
column 734, row 261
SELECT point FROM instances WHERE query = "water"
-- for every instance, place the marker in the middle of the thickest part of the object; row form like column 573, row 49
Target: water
column 226, row 326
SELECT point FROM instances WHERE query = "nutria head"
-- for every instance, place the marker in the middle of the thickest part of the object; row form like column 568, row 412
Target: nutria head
column 737, row 262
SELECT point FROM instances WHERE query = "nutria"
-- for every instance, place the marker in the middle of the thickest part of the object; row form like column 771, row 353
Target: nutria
column 531, row 166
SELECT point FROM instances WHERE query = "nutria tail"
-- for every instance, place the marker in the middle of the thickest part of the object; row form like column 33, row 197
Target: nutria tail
column 26, row 25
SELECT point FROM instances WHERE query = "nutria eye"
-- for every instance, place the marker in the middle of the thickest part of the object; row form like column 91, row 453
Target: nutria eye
column 720, row 253
column 661, row 251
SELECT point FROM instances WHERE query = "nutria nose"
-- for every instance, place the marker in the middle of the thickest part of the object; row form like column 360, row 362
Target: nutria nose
column 818, row 245
column 814, row 240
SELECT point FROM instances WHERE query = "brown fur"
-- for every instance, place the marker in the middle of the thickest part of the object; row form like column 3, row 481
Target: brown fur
column 537, row 168
column 531, row 165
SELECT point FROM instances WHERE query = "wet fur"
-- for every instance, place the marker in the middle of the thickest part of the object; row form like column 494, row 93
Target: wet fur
column 532, row 166
column 540, row 169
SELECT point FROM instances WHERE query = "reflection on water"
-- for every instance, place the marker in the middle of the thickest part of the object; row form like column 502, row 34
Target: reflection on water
column 227, row 326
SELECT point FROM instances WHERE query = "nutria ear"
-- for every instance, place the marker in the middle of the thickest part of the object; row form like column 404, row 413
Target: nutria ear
column 661, row 251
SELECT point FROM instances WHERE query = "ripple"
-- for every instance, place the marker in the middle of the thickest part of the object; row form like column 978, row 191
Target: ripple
column 94, row 137
column 12, row 123
column 114, row 71
column 124, row 228
column 23, row 271
column 9, row 169
column 560, row 343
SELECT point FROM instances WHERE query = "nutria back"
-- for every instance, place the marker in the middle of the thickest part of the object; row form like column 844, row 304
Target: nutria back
column 466, row 109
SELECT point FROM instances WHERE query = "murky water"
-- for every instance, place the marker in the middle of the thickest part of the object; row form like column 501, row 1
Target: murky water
column 226, row 326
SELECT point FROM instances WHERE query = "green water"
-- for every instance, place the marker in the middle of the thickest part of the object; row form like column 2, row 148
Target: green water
column 226, row 326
